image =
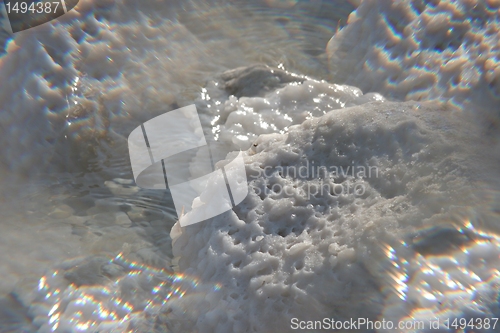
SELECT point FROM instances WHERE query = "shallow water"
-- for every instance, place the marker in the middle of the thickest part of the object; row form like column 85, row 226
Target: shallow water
column 81, row 245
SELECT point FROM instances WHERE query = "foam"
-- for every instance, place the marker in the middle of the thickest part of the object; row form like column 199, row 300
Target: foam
column 422, row 50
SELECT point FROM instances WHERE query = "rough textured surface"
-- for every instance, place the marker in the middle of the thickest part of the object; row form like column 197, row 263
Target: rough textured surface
column 421, row 50
column 293, row 250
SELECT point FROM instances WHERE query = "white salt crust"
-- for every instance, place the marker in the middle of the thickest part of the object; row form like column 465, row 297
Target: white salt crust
column 421, row 50
column 284, row 254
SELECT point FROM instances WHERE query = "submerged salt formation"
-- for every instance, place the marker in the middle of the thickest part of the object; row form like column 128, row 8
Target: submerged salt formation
column 421, row 50
column 452, row 284
column 124, row 295
column 75, row 81
column 322, row 243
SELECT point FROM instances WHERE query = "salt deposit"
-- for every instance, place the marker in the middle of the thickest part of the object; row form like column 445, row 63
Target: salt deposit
column 376, row 209
column 314, row 238
column 304, row 246
column 423, row 50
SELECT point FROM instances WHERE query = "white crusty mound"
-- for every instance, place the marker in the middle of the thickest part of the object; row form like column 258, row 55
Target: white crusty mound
column 237, row 122
column 241, row 120
column 293, row 250
column 422, row 50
